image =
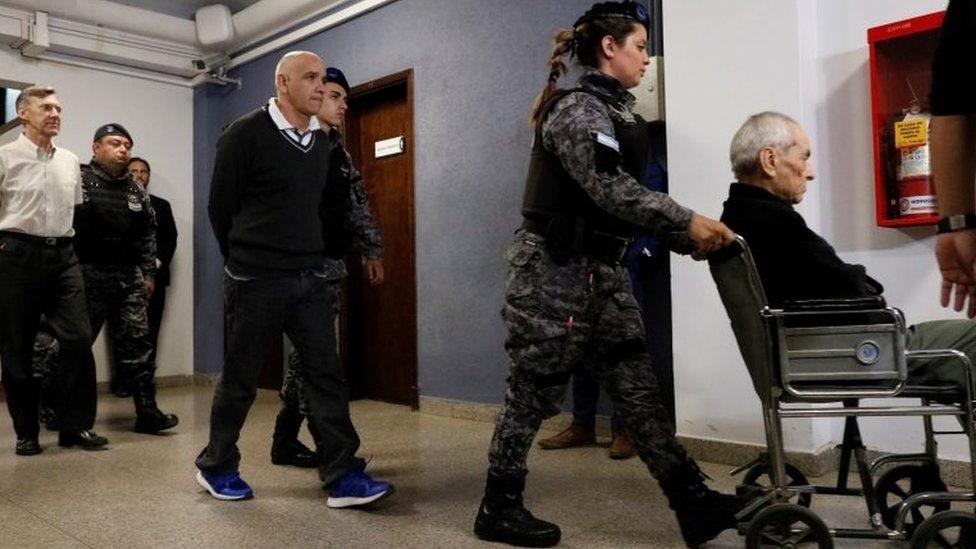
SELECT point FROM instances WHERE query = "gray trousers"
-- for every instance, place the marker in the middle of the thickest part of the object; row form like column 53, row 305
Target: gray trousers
column 941, row 334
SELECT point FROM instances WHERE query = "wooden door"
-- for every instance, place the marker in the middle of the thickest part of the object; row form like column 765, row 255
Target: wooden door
column 379, row 324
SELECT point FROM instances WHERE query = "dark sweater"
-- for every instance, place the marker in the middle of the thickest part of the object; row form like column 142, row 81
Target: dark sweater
column 793, row 261
column 265, row 195
column 165, row 237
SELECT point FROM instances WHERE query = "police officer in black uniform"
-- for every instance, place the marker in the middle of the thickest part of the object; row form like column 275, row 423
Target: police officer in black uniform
column 116, row 244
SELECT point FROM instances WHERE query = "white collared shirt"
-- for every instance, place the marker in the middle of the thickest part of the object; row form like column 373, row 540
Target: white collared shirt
column 38, row 189
column 305, row 140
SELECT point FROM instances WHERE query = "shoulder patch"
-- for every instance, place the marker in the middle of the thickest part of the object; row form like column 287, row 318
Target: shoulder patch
column 606, row 140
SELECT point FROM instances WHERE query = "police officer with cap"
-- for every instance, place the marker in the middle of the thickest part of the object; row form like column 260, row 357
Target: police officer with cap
column 116, row 245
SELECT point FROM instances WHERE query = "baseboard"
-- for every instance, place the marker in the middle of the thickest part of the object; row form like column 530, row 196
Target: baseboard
column 205, row 380
column 955, row 473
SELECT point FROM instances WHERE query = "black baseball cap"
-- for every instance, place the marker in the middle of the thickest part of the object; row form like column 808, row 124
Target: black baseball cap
column 334, row 75
column 628, row 9
column 112, row 129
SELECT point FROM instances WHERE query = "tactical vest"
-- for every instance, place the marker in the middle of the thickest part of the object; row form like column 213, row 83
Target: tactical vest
column 553, row 196
column 110, row 223
column 336, row 205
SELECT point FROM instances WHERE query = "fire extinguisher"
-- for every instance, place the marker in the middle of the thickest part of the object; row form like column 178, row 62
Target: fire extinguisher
column 912, row 163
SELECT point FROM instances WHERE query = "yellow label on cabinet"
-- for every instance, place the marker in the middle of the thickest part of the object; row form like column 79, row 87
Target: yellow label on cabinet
column 911, row 133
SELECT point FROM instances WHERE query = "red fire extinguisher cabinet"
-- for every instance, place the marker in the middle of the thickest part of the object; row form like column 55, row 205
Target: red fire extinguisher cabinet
column 899, row 53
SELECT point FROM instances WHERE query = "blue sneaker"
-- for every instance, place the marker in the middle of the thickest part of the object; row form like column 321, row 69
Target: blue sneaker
column 227, row 486
column 357, row 488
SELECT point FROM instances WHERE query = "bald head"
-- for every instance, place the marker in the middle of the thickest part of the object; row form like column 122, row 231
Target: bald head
column 300, row 83
column 288, row 62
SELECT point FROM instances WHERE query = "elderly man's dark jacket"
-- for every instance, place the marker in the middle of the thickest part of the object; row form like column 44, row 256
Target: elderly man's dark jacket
column 793, row 261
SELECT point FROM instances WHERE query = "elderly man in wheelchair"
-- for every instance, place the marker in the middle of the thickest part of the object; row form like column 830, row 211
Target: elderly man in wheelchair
column 814, row 329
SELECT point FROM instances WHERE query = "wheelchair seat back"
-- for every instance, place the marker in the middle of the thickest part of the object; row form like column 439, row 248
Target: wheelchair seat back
column 809, row 351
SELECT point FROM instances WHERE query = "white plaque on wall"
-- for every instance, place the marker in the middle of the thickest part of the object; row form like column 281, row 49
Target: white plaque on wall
column 390, row 147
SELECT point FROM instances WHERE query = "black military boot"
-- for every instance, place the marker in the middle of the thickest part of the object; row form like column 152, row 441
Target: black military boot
column 502, row 517
column 152, row 421
column 149, row 418
column 702, row 513
column 286, row 449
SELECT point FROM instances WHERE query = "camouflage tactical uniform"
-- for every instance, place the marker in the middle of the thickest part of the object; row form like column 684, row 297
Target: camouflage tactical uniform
column 579, row 312
column 116, row 246
column 365, row 240
column 44, row 364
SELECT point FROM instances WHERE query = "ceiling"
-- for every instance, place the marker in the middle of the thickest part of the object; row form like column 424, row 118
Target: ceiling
column 184, row 8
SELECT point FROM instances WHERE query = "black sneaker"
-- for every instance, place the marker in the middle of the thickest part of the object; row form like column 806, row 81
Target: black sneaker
column 515, row 525
column 28, row 447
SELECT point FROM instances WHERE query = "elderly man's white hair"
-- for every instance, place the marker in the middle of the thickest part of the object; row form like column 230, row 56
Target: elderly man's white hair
column 766, row 129
column 284, row 64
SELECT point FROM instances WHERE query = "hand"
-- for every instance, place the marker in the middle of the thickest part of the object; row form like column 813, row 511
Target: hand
column 150, row 286
column 956, row 254
column 374, row 271
column 708, row 235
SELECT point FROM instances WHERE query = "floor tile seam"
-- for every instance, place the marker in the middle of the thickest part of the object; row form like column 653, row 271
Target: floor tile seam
column 42, row 520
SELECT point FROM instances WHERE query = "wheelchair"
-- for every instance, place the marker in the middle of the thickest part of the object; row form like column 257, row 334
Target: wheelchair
column 834, row 353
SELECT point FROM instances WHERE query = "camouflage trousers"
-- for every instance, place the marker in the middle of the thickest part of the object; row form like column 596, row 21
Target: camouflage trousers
column 292, row 391
column 44, row 363
column 115, row 295
column 46, row 369
column 564, row 316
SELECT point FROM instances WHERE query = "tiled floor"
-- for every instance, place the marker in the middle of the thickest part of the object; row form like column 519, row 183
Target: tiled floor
column 141, row 492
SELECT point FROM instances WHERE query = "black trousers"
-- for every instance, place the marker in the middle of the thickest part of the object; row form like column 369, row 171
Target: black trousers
column 157, row 302
column 38, row 276
column 258, row 311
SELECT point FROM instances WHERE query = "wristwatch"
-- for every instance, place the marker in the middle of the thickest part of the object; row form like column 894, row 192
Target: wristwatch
column 957, row 222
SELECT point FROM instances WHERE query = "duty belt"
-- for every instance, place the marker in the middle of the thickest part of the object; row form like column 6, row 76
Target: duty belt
column 603, row 247
column 38, row 240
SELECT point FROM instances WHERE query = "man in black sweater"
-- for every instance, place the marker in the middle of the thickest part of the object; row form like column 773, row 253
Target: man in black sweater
column 268, row 183
column 770, row 157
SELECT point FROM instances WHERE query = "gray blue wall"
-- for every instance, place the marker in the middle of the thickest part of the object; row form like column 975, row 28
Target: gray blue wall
column 477, row 67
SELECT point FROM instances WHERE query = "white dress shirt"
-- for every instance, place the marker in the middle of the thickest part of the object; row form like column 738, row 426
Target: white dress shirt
column 38, row 189
column 303, row 141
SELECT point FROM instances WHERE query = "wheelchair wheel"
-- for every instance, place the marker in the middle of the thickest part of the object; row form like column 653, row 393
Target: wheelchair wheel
column 789, row 526
column 948, row 529
column 902, row 482
column 759, row 476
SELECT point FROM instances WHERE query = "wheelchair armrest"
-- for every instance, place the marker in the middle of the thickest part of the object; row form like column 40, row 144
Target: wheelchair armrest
column 835, row 305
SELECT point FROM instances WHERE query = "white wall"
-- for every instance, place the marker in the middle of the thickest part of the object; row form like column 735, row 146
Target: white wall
column 808, row 59
column 160, row 119
column 723, row 61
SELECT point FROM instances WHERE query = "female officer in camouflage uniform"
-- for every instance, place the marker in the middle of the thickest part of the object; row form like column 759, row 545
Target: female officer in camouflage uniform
column 568, row 302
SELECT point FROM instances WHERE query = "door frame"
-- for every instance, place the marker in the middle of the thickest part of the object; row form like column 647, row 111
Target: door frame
column 404, row 78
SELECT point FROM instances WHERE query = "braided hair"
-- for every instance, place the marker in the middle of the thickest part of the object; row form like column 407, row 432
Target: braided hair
column 583, row 42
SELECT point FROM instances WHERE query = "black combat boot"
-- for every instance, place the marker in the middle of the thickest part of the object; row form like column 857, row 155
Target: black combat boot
column 286, row 449
column 149, row 418
column 502, row 517
column 152, row 420
column 702, row 513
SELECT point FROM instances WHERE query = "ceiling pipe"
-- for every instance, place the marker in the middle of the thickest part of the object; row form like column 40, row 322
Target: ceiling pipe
column 355, row 9
column 116, row 16
column 268, row 17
